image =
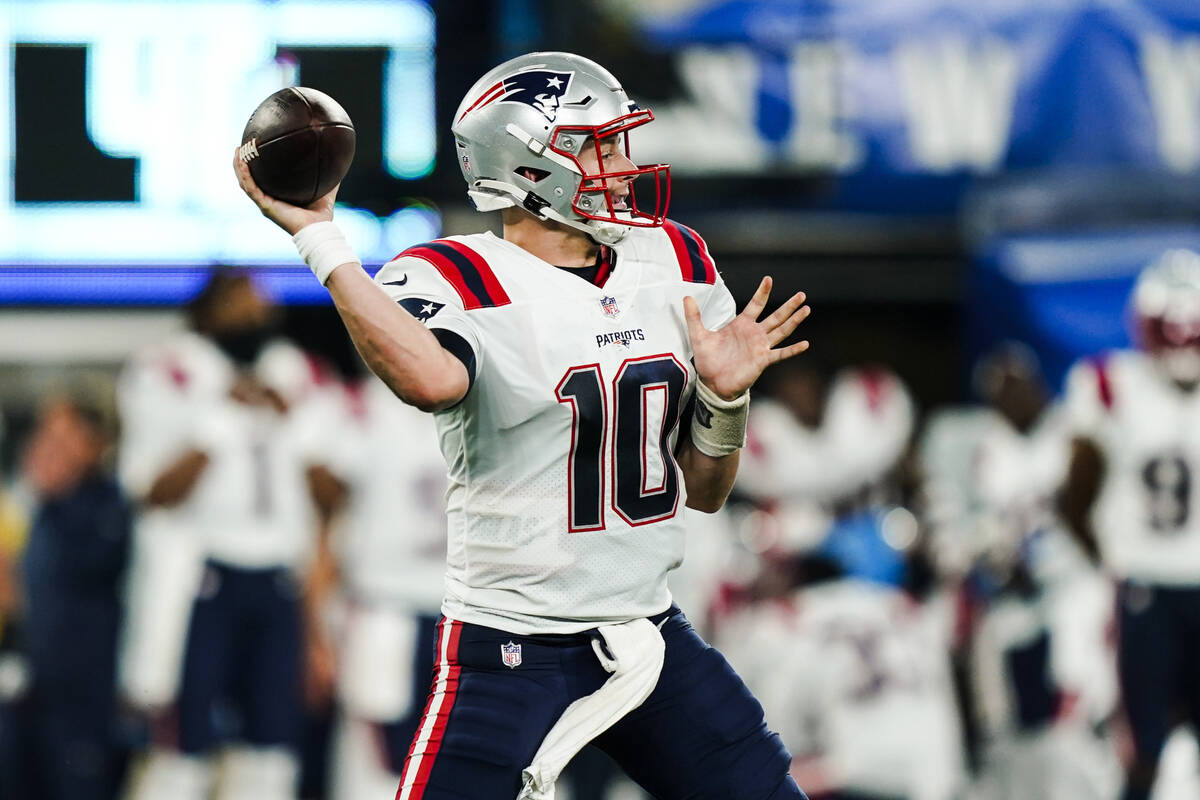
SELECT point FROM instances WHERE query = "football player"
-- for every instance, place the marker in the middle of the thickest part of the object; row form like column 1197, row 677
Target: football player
column 857, row 682
column 1036, row 638
column 391, row 551
column 1133, row 491
column 819, row 450
column 589, row 377
column 217, row 449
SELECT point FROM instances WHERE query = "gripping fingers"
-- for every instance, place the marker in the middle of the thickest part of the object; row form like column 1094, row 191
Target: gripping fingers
column 246, row 181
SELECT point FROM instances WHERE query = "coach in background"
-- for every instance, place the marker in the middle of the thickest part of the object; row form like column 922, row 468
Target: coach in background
column 71, row 573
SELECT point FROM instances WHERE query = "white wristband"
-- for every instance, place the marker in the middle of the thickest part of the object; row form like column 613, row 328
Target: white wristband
column 323, row 247
column 719, row 426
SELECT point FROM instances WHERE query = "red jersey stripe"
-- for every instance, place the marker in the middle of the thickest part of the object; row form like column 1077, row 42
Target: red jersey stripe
column 465, row 270
column 710, row 267
column 490, row 282
column 1103, row 383
column 681, row 253
column 695, row 264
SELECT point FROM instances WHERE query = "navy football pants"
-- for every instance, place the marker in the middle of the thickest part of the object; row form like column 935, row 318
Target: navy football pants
column 1159, row 659
column 244, row 655
column 700, row 734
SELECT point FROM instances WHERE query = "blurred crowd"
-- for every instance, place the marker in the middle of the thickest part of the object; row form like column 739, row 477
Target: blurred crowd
column 224, row 583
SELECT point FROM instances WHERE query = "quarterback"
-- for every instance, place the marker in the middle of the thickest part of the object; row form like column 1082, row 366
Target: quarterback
column 589, row 378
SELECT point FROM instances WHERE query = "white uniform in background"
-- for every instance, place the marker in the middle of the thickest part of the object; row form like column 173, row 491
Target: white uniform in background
column 801, row 472
column 711, row 552
column 1149, row 431
column 249, row 509
column 856, row 687
column 606, row 368
column 391, row 548
column 1145, row 517
column 1041, row 670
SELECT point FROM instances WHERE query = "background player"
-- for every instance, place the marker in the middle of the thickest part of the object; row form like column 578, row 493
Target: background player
column 216, row 450
column 1035, row 632
column 545, row 380
column 1133, row 491
column 821, row 450
column 390, row 545
column 844, row 662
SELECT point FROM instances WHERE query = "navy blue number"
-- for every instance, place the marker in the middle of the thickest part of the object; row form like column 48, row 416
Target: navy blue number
column 1168, row 482
column 638, row 430
column 640, row 427
column 583, row 389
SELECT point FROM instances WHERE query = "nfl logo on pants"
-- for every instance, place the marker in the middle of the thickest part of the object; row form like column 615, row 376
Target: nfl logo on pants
column 510, row 654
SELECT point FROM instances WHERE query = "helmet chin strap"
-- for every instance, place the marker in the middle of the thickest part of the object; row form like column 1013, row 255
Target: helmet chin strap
column 499, row 194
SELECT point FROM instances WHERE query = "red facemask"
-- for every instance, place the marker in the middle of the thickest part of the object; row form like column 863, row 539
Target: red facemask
column 593, row 199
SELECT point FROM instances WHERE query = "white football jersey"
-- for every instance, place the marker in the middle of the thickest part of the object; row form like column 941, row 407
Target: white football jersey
column 250, row 506
column 850, row 676
column 803, row 471
column 392, row 534
column 565, row 504
column 1145, row 518
column 990, row 487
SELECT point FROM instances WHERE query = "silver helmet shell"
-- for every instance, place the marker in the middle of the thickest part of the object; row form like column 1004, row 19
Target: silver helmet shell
column 521, row 129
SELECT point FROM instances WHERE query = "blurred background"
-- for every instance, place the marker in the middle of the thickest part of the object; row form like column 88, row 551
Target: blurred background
column 967, row 192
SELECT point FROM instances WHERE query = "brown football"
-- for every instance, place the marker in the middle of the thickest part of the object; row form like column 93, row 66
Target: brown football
column 299, row 144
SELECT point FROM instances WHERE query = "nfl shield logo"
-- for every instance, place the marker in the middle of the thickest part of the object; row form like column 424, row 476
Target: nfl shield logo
column 510, row 654
column 609, row 306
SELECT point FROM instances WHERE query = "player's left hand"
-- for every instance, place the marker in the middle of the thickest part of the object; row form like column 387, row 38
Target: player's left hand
column 730, row 360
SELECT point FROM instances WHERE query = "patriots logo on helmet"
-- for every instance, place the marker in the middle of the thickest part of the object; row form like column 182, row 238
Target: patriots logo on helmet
column 541, row 89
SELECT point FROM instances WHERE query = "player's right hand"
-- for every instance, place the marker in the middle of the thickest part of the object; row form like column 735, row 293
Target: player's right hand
column 287, row 216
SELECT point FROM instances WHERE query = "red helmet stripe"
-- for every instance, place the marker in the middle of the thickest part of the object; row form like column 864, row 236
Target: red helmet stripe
column 491, row 94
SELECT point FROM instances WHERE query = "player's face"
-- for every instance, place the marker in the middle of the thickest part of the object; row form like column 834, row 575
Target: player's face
column 1175, row 345
column 241, row 308
column 62, row 449
column 608, row 156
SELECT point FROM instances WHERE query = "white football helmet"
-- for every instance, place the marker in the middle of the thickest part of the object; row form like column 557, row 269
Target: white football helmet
column 1166, row 306
column 521, row 129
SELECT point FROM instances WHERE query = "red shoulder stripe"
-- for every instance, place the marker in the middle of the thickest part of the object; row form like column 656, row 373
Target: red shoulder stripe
column 695, row 263
column 465, row 270
column 1103, row 382
column 710, row 268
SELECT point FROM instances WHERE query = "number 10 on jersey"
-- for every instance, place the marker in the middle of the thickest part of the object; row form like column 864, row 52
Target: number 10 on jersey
column 644, row 410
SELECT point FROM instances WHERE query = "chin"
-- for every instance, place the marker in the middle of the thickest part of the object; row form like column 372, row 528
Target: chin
column 1182, row 366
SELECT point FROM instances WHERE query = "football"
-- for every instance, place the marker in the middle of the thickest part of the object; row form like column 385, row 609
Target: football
column 299, row 144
